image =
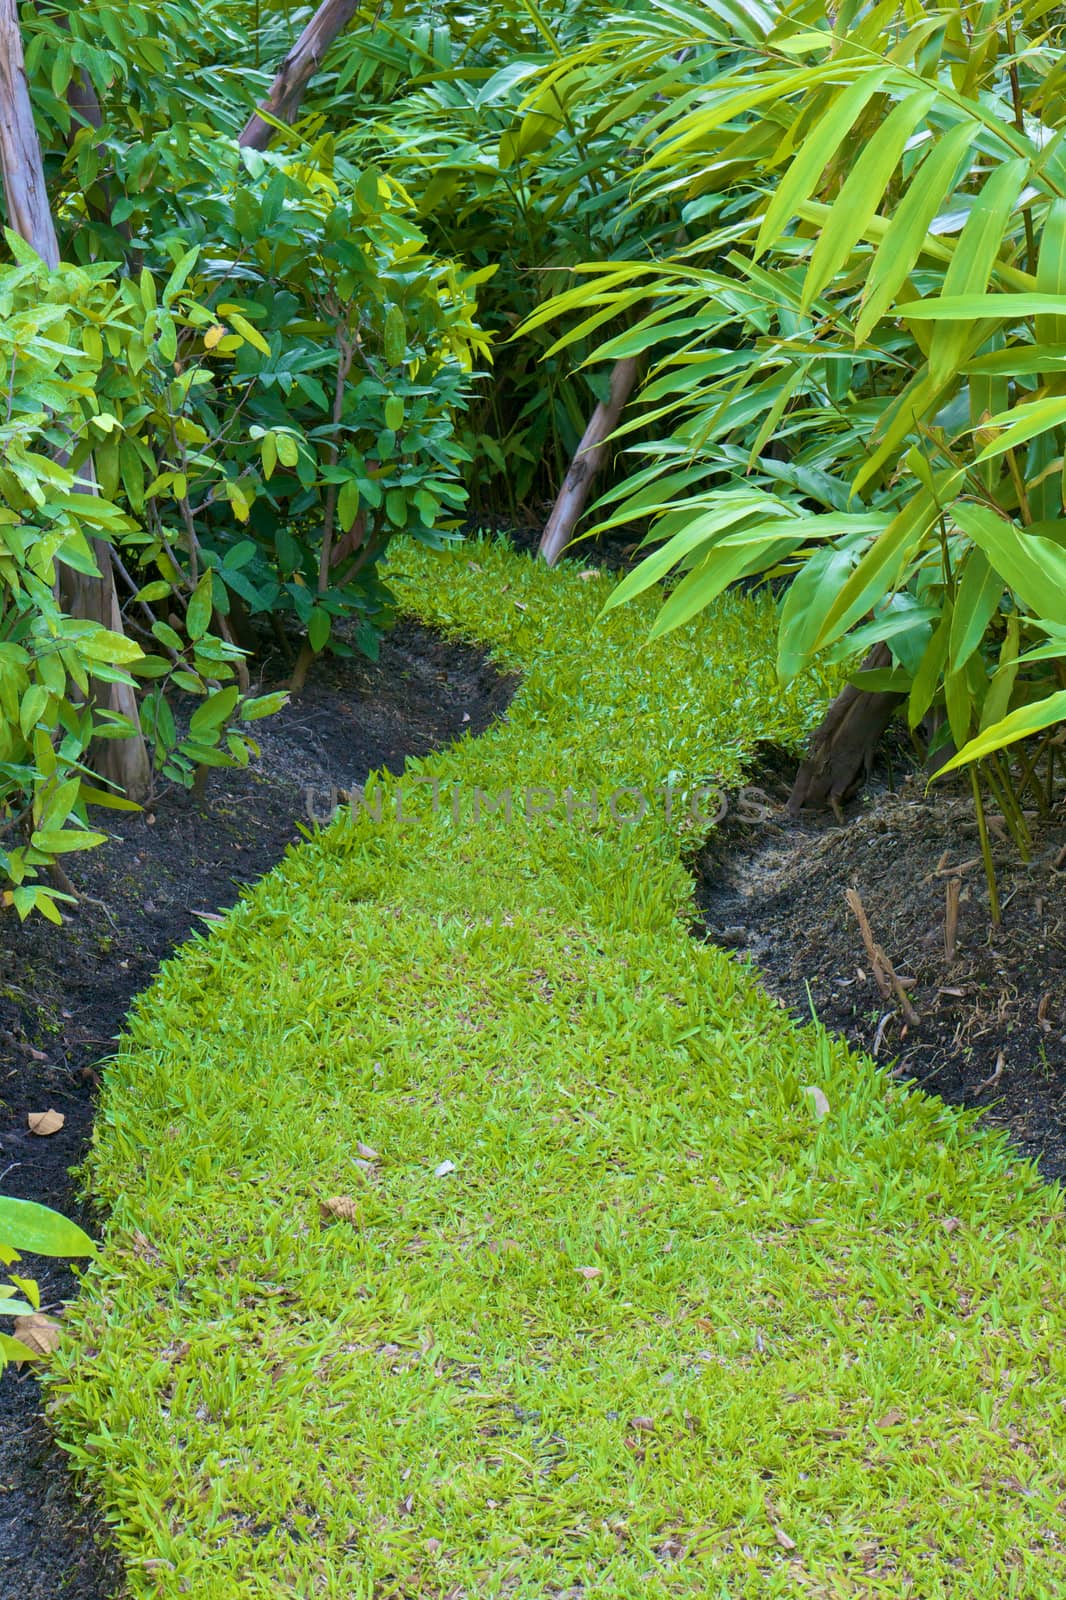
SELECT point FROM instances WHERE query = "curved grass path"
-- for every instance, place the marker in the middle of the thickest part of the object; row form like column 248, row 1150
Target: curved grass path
column 662, row 1331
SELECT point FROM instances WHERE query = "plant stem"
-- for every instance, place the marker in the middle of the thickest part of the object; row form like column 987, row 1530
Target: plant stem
column 986, row 848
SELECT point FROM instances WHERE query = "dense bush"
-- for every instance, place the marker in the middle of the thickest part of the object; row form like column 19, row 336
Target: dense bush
column 250, row 380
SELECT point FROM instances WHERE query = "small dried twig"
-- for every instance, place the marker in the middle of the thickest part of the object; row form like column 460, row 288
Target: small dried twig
column 990, row 1083
column 951, row 917
column 884, row 972
column 872, row 951
column 963, row 866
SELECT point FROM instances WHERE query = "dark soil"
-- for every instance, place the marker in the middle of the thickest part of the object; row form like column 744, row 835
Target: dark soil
column 991, row 1018
column 64, row 993
column 618, row 550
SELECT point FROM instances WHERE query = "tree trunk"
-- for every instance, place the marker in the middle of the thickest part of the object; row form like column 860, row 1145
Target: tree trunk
column 843, row 745
column 559, row 528
column 123, row 762
column 296, row 71
column 28, row 211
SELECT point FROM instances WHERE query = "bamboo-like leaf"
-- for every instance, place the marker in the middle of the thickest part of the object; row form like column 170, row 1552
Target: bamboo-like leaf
column 979, row 593
column 971, row 266
column 908, row 230
column 701, row 530
column 1034, row 567
column 1023, row 423
column 880, row 569
column 808, row 599
column 863, row 192
column 1050, row 329
column 818, row 148
column 1020, row 724
column 968, row 307
column 721, row 567
column 29, row 1226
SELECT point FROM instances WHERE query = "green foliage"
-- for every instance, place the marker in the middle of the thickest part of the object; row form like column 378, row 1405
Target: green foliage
column 518, row 175
column 54, row 328
column 857, row 366
column 24, row 1225
column 259, row 364
column 646, row 1217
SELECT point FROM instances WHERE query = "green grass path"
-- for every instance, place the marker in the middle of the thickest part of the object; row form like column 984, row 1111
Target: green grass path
column 662, row 1330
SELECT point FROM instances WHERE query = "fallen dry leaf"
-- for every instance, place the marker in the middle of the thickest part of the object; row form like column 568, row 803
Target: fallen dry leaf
column 891, row 1419
column 819, row 1103
column 339, row 1208
column 587, row 1272
column 40, row 1334
column 783, row 1539
column 367, row 1151
column 644, row 1424
column 45, row 1122
column 951, row 1224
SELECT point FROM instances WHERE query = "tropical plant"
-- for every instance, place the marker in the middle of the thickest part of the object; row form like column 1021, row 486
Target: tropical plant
column 857, row 373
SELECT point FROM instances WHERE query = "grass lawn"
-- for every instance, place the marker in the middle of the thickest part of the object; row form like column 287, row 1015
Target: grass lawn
column 621, row 1308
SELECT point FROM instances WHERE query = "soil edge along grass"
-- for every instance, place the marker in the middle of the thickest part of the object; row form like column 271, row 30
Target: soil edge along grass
column 636, row 1289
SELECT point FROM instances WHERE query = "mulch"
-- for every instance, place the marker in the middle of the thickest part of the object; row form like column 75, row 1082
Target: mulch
column 989, row 1024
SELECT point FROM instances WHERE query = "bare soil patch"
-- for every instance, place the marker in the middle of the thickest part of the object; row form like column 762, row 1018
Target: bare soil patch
column 991, row 1013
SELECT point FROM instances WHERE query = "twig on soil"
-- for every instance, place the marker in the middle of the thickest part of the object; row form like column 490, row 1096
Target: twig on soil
column 990, row 1083
column 942, row 870
column 951, row 917
column 884, row 972
column 880, row 977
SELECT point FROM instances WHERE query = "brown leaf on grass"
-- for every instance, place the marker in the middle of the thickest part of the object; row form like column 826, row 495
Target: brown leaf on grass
column 951, row 1224
column 339, row 1208
column 367, row 1151
column 819, row 1102
column 45, row 1122
column 783, row 1539
column 143, row 1248
column 643, row 1424
column 891, row 1419
column 587, row 1272
column 40, row 1334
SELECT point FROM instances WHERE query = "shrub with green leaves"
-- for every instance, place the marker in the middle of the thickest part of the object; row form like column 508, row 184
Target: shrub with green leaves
column 54, row 328
column 251, row 381
column 520, row 176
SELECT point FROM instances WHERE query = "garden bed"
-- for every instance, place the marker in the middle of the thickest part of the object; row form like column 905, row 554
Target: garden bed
column 991, row 1010
column 65, row 992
